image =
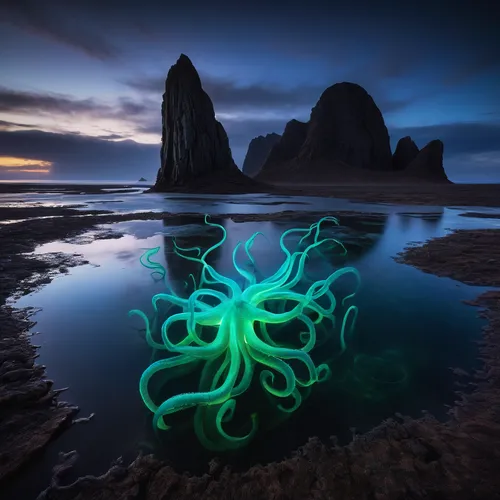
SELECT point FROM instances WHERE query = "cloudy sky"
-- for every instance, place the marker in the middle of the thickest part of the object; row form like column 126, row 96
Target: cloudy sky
column 81, row 80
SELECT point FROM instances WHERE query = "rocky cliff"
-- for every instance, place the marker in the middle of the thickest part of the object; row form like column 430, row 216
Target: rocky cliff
column 195, row 153
column 258, row 150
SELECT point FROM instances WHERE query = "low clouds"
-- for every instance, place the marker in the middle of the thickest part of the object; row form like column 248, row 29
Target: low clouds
column 228, row 95
column 29, row 103
column 80, row 157
column 470, row 150
column 125, row 118
column 12, row 101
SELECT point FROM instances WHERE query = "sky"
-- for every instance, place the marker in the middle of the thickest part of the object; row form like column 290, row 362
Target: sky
column 81, row 81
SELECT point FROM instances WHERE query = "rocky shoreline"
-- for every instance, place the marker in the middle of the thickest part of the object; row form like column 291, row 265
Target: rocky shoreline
column 401, row 458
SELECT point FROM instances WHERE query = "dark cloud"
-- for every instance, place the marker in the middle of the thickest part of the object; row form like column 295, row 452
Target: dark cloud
column 140, row 113
column 228, row 95
column 82, row 157
column 458, row 138
column 5, row 125
column 12, row 101
column 60, row 21
column 485, row 60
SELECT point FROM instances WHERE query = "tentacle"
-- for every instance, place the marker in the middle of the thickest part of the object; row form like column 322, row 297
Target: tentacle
column 248, row 364
column 278, row 365
column 297, row 400
column 145, row 260
column 162, row 364
column 225, row 414
column 149, row 337
column 282, row 352
column 210, row 350
column 242, row 272
column 217, row 396
column 344, row 321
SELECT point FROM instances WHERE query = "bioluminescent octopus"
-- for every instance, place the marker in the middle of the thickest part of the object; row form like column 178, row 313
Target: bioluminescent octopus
column 229, row 327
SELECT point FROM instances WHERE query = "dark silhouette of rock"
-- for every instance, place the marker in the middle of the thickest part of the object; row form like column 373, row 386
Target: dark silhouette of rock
column 406, row 151
column 347, row 126
column 195, row 153
column 286, row 149
column 258, row 150
column 428, row 164
column 142, row 180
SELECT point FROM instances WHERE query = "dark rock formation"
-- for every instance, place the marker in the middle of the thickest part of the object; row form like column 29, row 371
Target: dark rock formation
column 195, row 149
column 428, row 164
column 406, row 151
column 347, row 126
column 142, row 180
column 287, row 148
column 258, row 151
column 345, row 140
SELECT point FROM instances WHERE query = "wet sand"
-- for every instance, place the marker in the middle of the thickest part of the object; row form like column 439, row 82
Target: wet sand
column 401, row 458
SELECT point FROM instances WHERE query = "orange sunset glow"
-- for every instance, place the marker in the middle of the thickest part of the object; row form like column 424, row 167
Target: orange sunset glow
column 22, row 165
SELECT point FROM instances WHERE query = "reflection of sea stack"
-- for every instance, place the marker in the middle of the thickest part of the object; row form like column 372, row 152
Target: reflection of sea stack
column 346, row 140
column 195, row 153
column 258, row 150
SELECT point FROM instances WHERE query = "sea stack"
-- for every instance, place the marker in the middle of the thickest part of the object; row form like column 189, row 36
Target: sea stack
column 428, row 164
column 347, row 126
column 406, row 151
column 345, row 136
column 258, row 151
column 285, row 150
column 195, row 151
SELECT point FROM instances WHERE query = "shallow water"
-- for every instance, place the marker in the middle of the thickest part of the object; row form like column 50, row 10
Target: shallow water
column 411, row 328
column 135, row 200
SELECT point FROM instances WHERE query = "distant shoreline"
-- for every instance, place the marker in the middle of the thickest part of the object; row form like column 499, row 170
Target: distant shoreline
column 485, row 195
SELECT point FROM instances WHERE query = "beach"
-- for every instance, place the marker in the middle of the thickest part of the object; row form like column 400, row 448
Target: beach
column 402, row 457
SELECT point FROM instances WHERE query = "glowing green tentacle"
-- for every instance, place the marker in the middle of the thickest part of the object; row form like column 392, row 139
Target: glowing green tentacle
column 217, row 396
column 149, row 338
column 162, row 364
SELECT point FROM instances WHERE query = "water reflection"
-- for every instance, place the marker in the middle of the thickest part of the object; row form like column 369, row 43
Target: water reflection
column 201, row 236
column 411, row 328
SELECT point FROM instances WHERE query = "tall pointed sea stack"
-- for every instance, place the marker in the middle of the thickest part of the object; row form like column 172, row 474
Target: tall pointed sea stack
column 195, row 151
